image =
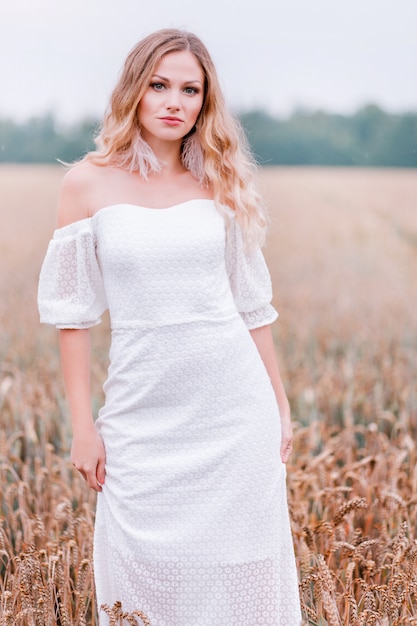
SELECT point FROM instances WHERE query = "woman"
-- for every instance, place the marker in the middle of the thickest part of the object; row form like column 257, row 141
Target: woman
column 162, row 225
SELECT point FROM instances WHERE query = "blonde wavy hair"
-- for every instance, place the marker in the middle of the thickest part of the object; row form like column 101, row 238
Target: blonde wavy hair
column 216, row 151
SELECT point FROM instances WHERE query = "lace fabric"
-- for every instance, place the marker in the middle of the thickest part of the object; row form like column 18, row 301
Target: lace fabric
column 192, row 526
column 71, row 291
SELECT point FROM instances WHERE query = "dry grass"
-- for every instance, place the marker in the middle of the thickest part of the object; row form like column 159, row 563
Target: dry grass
column 343, row 257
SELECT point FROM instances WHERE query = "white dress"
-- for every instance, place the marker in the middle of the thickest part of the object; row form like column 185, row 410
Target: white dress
column 192, row 526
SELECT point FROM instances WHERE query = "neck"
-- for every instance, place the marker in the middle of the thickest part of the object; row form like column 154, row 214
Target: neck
column 168, row 153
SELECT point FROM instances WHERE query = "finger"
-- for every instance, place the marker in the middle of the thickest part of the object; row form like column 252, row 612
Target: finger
column 90, row 478
column 92, row 481
column 101, row 472
column 286, row 451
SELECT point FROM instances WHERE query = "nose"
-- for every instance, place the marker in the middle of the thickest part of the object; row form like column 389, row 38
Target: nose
column 173, row 100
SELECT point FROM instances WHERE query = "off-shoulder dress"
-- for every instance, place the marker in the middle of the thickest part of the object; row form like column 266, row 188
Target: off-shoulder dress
column 192, row 525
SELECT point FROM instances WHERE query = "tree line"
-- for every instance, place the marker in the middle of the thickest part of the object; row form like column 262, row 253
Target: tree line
column 368, row 137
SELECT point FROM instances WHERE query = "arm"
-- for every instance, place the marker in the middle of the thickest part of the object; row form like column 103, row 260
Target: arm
column 265, row 344
column 87, row 450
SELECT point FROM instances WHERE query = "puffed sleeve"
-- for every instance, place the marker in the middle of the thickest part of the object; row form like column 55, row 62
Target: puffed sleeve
column 71, row 292
column 249, row 280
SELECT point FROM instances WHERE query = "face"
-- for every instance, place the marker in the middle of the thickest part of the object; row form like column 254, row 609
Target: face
column 170, row 105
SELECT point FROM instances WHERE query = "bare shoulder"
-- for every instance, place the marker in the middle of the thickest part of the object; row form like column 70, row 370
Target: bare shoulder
column 77, row 190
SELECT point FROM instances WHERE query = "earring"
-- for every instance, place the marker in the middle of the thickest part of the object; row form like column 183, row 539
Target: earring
column 192, row 156
column 144, row 159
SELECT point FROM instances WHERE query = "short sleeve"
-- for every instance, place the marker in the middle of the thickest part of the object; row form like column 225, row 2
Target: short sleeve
column 71, row 292
column 249, row 280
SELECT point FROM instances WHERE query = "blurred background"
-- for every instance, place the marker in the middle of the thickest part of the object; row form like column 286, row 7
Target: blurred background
column 327, row 92
column 315, row 83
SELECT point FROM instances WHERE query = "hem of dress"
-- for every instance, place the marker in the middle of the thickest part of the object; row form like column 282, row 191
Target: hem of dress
column 266, row 321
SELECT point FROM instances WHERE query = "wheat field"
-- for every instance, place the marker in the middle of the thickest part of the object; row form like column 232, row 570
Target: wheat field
column 343, row 258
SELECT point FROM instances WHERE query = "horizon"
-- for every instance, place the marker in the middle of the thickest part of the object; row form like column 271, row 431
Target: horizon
column 297, row 110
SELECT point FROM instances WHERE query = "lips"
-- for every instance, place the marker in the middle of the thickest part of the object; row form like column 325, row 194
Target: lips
column 170, row 120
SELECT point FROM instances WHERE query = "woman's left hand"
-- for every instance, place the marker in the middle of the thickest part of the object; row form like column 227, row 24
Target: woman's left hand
column 286, row 438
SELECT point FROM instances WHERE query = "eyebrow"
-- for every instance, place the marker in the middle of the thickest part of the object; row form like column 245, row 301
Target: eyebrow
column 187, row 82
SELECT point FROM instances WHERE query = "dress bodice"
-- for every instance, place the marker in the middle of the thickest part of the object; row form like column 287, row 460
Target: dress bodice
column 162, row 265
column 153, row 266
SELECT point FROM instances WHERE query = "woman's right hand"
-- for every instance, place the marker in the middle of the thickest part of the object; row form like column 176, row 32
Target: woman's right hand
column 88, row 456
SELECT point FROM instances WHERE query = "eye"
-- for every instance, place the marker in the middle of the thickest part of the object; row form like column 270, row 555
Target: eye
column 191, row 90
column 157, row 86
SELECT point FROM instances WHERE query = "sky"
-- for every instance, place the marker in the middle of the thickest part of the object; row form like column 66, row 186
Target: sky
column 64, row 57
